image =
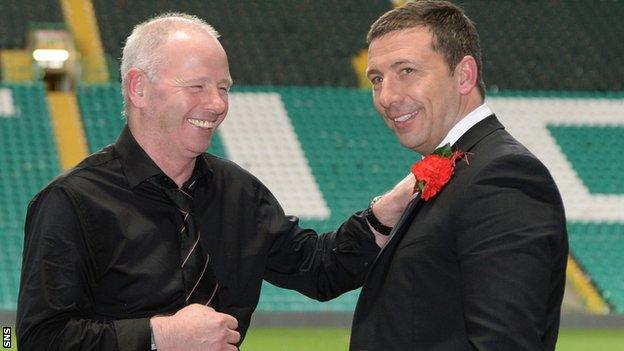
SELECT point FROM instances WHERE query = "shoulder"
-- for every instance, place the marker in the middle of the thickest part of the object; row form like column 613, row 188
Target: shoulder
column 501, row 151
column 100, row 165
column 499, row 161
column 230, row 175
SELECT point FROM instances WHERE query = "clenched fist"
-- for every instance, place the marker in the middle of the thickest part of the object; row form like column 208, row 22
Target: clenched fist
column 195, row 327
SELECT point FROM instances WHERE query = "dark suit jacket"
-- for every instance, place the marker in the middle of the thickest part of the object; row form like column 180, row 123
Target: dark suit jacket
column 480, row 266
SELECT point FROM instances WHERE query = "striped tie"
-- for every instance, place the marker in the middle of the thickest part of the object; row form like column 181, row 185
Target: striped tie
column 199, row 280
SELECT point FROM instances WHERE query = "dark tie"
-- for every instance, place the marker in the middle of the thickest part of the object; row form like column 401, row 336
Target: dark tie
column 200, row 281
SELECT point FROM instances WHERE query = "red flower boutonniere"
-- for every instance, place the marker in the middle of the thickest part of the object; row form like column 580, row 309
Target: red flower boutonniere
column 435, row 170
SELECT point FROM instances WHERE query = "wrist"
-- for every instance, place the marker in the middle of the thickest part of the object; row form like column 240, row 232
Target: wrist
column 156, row 331
column 374, row 221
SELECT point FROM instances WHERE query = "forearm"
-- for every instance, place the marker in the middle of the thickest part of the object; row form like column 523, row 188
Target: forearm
column 323, row 266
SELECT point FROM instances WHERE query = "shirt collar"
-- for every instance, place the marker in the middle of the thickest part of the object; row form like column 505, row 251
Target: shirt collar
column 138, row 166
column 459, row 129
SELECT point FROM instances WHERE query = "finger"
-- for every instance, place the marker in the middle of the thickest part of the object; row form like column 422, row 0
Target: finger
column 233, row 337
column 231, row 348
column 230, row 321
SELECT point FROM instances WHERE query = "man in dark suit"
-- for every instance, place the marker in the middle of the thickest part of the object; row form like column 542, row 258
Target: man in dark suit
column 481, row 264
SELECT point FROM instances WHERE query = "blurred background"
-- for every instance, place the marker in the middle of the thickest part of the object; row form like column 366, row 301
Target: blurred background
column 301, row 119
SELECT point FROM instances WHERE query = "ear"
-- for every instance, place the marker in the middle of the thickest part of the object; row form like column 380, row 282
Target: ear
column 467, row 73
column 136, row 83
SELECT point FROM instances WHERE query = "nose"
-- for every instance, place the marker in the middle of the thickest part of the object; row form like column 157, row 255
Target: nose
column 215, row 100
column 389, row 93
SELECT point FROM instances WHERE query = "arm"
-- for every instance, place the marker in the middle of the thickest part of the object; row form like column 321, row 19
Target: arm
column 55, row 308
column 324, row 266
column 512, row 248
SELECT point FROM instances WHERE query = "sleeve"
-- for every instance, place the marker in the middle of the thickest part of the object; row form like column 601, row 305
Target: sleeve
column 323, row 266
column 55, row 307
column 512, row 251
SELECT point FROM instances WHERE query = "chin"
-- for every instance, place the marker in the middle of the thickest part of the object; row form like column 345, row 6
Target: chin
column 198, row 149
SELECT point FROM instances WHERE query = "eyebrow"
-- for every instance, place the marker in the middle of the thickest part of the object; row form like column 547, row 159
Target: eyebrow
column 392, row 66
column 227, row 80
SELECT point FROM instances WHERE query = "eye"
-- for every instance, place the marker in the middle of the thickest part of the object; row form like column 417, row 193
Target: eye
column 196, row 88
column 407, row 70
column 375, row 80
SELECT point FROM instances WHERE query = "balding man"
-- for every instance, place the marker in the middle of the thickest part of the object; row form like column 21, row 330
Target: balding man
column 151, row 241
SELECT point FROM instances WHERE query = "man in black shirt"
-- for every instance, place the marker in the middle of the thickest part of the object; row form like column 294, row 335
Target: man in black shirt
column 112, row 260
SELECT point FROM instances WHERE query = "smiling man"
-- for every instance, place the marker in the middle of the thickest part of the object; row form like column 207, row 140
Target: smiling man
column 480, row 265
column 153, row 242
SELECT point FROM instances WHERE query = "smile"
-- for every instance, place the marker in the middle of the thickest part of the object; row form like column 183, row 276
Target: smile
column 201, row 123
column 405, row 118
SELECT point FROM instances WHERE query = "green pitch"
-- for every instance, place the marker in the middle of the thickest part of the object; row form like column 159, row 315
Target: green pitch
column 295, row 339
column 278, row 339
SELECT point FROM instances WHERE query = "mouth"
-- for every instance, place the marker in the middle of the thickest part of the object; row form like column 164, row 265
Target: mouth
column 404, row 118
column 203, row 124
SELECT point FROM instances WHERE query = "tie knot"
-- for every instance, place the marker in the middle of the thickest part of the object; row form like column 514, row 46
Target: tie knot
column 181, row 198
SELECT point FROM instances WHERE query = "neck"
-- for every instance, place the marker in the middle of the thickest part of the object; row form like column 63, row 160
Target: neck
column 177, row 168
column 469, row 104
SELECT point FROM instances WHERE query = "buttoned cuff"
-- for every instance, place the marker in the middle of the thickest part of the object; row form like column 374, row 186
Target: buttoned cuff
column 133, row 334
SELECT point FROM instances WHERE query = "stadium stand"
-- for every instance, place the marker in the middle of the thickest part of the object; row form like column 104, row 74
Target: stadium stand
column 296, row 56
column 16, row 16
column 567, row 45
column 598, row 246
column 268, row 42
column 550, row 45
column 100, row 107
column 15, row 19
column 29, row 160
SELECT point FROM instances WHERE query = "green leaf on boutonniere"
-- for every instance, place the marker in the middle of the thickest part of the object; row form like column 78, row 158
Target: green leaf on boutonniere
column 444, row 151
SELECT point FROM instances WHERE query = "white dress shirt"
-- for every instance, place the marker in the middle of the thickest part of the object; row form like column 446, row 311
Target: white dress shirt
column 474, row 117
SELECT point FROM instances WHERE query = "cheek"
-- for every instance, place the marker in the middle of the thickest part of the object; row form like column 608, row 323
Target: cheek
column 378, row 107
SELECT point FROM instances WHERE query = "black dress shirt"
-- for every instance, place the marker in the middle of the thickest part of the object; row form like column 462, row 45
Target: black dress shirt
column 102, row 253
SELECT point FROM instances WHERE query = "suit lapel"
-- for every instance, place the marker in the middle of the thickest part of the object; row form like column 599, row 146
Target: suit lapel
column 465, row 143
column 479, row 131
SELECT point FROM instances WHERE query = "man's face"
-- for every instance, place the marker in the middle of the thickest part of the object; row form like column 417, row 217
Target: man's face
column 413, row 89
column 188, row 98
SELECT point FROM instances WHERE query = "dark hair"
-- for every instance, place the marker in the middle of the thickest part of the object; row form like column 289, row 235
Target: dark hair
column 454, row 34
